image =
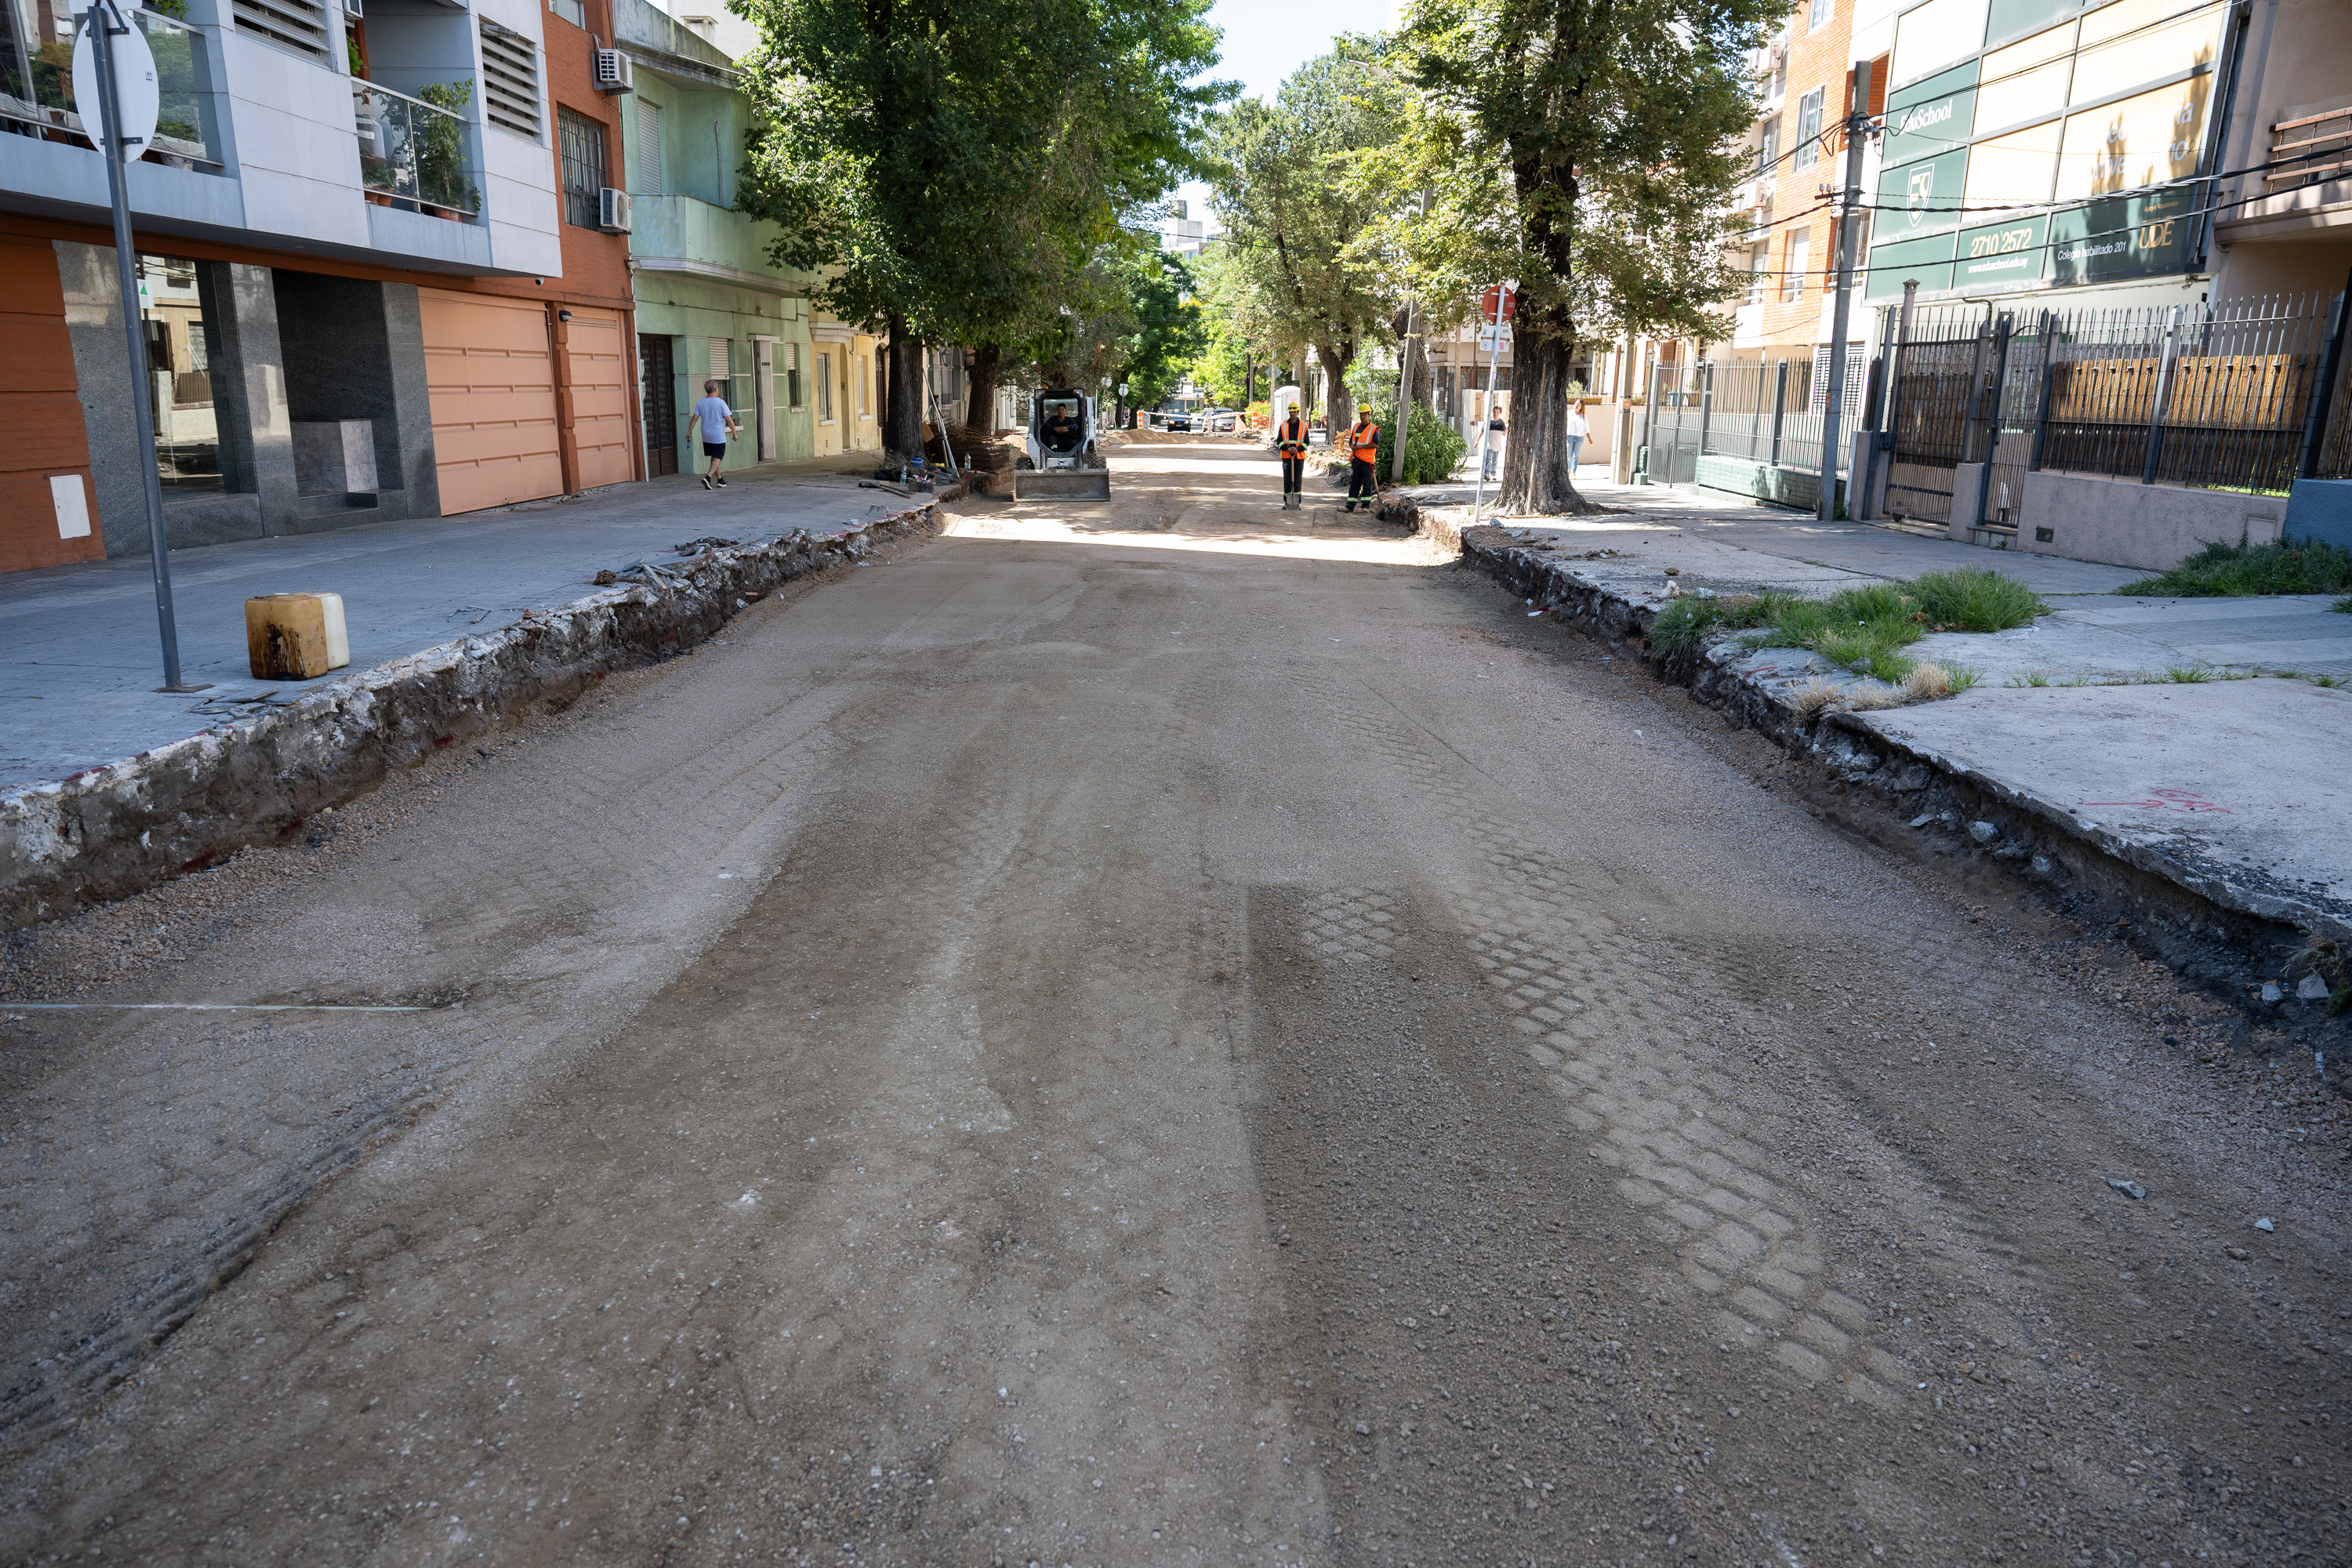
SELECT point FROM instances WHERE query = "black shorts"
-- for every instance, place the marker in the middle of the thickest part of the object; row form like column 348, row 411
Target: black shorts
column 714, row 448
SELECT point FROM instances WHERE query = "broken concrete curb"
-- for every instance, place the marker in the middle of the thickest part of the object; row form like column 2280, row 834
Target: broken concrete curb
column 122, row 827
column 2040, row 838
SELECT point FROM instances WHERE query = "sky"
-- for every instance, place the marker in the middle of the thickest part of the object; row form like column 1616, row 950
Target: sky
column 1265, row 43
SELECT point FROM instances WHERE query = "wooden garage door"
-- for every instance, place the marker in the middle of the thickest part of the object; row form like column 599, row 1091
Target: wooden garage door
column 601, row 431
column 491, row 382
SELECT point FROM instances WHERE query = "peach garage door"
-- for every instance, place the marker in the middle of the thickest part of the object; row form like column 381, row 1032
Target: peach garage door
column 602, row 433
column 491, row 382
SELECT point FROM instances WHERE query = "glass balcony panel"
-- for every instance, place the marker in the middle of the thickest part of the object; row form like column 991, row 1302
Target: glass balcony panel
column 36, row 44
column 411, row 152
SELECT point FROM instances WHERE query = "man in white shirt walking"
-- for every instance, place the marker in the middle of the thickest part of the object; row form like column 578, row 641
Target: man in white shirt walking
column 717, row 422
column 1576, row 429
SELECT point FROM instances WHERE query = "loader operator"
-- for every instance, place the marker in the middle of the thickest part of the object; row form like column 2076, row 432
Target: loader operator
column 1061, row 428
column 1291, row 440
column 1363, row 451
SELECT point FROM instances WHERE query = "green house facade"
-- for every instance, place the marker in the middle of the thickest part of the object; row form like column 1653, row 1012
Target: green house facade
column 709, row 304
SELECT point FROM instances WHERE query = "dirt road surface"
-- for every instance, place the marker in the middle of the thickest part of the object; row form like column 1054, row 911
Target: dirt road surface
column 1165, row 1033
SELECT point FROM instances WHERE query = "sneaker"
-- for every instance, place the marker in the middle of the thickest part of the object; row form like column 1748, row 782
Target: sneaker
column 706, row 481
column 722, row 484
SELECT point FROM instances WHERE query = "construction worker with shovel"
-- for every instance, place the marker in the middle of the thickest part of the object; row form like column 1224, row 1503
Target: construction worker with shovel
column 1363, row 451
column 1291, row 440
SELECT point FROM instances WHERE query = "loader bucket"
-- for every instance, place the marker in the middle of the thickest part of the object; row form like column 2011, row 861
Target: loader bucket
column 1061, row 484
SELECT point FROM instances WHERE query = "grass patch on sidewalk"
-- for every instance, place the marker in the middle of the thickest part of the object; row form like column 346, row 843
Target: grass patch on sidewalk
column 1863, row 627
column 2243, row 571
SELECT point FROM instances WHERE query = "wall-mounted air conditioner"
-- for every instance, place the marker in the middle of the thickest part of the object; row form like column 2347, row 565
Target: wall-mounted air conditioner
column 613, row 71
column 612, row 211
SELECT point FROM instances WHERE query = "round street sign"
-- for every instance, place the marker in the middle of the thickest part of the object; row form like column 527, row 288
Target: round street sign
column 1486, row 305
column 137, row 97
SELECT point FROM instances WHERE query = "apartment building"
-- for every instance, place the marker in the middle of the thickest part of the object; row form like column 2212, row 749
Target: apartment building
column 2058, row 149
column 380, row 271
column 711, row 304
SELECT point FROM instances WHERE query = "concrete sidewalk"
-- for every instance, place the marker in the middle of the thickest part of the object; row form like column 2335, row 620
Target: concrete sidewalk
column 1727, row 546
column 2152, row 731
column 79, row 690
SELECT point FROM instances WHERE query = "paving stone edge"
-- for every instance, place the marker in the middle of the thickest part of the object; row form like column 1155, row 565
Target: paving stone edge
column 2037, row 837
column 119, row 827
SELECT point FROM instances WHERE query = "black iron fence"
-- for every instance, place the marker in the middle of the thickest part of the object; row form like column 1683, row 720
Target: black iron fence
column 2246, row 395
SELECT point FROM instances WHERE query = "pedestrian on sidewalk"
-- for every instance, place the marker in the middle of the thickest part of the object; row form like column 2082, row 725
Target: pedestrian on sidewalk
column 717, row 422
column 1291, row 440
column 1577, row 428
column 1363, row 452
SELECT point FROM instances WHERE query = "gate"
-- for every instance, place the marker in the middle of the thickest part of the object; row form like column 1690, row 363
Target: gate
column 1678, row 423
column 657, row 402
column 1938, row 368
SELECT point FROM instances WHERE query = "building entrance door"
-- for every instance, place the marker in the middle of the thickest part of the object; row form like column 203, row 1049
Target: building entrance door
column 764, row 397
column 657, row 398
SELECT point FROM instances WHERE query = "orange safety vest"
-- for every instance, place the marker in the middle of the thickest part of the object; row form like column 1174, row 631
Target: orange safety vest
column 1292, row 440
column 1365, row 438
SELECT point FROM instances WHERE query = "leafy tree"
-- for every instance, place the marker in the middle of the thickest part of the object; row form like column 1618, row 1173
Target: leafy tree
column 1164, row 333
column 1295, row 193
column 952, row 169
column 1585, row 148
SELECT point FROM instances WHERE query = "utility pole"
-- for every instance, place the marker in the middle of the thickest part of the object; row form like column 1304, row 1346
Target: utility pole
column 1857, row 130
column 1486, row 412
column 102, row 24
column 1403, row 407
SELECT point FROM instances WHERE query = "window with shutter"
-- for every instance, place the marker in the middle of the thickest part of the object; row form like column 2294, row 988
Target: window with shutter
column 649, row 149
column 302, row 26
column 720, row 362
column 510, row 81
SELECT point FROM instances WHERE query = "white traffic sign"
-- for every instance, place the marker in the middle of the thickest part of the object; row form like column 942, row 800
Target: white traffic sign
column 137, row 94
column 1486, row 336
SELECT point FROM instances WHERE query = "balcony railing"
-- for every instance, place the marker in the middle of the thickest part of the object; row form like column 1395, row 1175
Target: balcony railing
column 414, row 154
column 2312, row 150
column 37, row 84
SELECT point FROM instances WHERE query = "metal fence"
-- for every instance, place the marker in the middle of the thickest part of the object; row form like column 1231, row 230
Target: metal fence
column 2214, row 397
column 2244, row 395
column 1769, row 409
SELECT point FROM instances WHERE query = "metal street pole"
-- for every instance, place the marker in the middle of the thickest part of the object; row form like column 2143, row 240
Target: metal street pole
column 104, row 23
column 1403, row 410
column 1486, row 412
column 1857, row 129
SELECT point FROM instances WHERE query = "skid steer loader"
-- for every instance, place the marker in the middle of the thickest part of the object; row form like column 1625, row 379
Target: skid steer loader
column 1061, row 461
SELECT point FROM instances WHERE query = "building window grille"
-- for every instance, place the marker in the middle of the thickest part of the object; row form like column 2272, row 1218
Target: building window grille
column 584, row 167
column 302, row 26
column 510, row 82
column 1809, row 128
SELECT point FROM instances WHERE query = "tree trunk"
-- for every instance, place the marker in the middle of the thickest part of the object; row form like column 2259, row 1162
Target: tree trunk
column 1537, row 479
column 979, row 408
column 903, row 426
column 1340, row 405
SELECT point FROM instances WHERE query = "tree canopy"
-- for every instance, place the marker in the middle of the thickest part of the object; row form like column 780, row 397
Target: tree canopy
column 1295, row 195
column 951, row 171
column 1583, row 148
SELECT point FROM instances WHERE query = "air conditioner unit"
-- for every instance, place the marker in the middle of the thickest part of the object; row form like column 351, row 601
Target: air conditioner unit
column 612, row 211
column 613, row 71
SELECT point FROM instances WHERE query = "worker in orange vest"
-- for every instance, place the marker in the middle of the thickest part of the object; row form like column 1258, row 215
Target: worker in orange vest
column 1363, row 451
column 1291, row 440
